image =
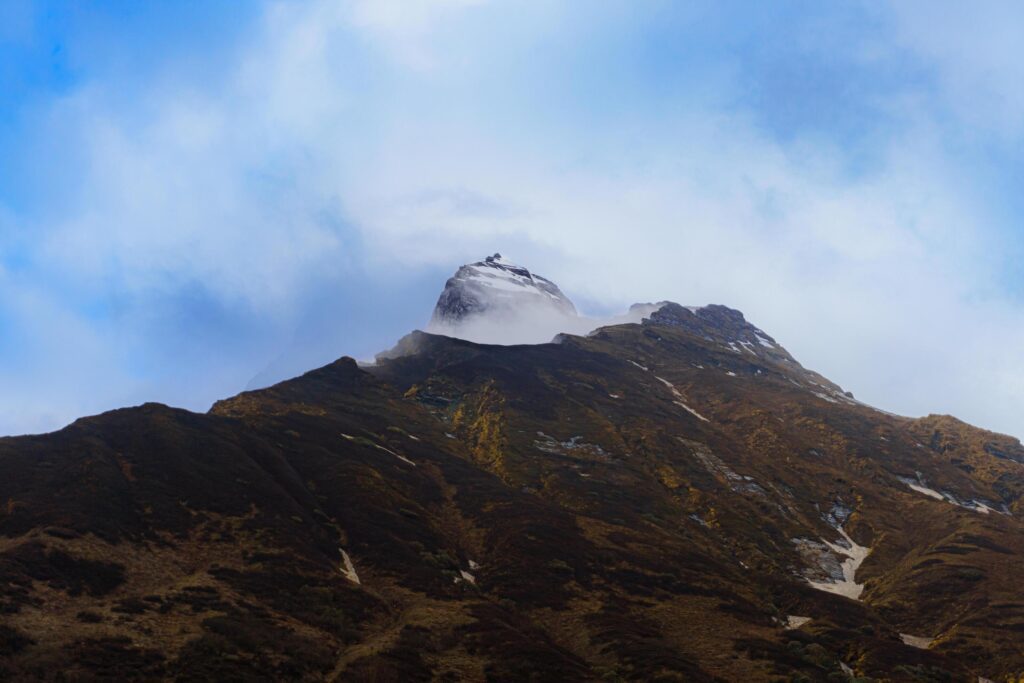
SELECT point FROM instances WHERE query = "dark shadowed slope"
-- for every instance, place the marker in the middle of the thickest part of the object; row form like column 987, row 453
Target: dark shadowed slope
column 667, row 501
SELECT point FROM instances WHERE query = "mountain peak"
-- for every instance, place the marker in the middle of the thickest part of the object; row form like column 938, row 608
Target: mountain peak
column 500, row 260
column 721, row 324
column 498, row 288
column 496, row 301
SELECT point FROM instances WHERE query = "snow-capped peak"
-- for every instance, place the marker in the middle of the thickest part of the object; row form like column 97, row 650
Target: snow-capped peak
column 497, row 301
column 498, row 287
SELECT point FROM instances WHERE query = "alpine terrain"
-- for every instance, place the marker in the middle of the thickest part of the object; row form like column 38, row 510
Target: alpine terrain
column 496, row 286
column 668, row 497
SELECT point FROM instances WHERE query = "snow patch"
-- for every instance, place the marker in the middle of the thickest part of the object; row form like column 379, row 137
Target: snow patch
column 795, row 621
column 917, row 641
column 978, row 506
column 855, row 555
column 679, row 399
column 397, row 455
column 511, row 284
column 691, row 411
column 973, row 505
column 378, row 446
column 921, row 488
column 347, row 568
column 716, row 466
column 575, row 446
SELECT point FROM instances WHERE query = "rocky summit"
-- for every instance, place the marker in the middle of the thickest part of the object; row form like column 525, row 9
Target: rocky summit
column 669, row 499
column 495, row 287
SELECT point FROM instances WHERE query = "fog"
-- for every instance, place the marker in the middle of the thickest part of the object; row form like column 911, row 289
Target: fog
column 538, row 324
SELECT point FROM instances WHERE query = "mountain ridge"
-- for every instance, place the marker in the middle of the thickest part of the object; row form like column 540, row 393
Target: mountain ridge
column 650, row 501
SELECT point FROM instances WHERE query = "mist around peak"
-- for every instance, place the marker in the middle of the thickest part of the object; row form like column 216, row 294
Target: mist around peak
column 495, row 301
column 531, row 325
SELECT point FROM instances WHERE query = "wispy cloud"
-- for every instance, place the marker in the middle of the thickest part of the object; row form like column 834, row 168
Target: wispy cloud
column 631, row 152
column 973, row 54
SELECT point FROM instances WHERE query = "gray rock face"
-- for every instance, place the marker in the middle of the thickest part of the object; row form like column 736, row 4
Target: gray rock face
column 720, row 324
column 498, row 286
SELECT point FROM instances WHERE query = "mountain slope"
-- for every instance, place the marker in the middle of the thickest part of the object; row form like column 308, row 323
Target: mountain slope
column 497, row 301
column 672, row 500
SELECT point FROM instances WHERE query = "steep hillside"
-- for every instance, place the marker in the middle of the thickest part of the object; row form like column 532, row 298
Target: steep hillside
column 672, row 500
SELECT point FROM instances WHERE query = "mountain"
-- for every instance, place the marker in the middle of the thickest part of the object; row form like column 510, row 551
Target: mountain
column 494, row 301
column 497, row 287
column 672, row 499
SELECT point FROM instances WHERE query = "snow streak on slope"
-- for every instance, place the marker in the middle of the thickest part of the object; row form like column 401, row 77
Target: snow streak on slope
column 855, row 555
column 349, row 569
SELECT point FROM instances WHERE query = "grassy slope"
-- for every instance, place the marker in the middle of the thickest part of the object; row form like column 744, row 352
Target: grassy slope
column 614, row 533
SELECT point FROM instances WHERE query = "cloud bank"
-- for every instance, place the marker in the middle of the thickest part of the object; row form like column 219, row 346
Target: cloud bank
column 839, row 174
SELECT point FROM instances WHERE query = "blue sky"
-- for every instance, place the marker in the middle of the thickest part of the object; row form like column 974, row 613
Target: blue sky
column 194, row 195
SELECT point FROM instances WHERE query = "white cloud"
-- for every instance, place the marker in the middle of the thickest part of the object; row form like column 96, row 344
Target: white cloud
column 34, row 376
column 219, row 185
column 973, row 51
column 874, row 280
column 395, row 20
column 253, row 183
